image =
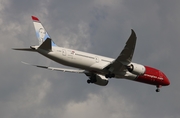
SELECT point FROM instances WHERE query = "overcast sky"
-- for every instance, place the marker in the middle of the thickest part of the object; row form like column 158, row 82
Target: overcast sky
column 96, row 26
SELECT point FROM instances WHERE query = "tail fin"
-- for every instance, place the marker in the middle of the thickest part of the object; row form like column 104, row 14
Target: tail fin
column 41, row 33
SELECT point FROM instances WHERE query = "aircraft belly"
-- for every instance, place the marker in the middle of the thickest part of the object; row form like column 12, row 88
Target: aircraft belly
column 126, row 75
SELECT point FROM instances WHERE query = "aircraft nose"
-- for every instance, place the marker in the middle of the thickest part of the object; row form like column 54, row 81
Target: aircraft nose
column 166, row 80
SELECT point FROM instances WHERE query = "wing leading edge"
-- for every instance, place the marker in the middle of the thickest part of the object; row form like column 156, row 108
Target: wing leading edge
column 125, row 57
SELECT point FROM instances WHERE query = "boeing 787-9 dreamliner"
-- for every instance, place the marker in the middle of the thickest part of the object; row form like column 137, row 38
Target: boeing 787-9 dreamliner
column 97, row 68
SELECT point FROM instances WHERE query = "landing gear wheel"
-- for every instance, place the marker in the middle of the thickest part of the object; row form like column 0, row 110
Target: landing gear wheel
column 88, row 81
column 107, row 75
column 157, row 90
column 110, row 75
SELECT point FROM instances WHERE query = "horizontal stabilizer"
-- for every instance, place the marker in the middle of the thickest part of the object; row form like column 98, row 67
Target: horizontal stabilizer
column 24, row 49
column 57, row 69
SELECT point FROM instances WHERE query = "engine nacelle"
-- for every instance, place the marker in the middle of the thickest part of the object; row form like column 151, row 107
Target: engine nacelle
column 98, row 79
column 101, row 80
column 136, row 69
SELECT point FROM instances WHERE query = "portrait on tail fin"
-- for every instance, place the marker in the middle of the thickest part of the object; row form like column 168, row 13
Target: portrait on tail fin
column 41, row 33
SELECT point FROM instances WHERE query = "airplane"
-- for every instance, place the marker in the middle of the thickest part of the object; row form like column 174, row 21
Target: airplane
column 98, row 68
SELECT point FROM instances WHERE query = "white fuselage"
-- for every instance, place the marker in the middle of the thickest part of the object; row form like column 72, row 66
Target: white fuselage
column 82, row 60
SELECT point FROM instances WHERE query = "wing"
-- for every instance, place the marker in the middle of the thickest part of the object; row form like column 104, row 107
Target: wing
column 57, row 69
column 125, row 57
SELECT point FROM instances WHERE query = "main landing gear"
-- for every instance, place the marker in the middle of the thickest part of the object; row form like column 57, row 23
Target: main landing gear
column 110, row 75
column 158, row 88
column 92, row 78
column 88, row 81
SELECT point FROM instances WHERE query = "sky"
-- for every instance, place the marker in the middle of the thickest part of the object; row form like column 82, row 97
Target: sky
column 95, row 26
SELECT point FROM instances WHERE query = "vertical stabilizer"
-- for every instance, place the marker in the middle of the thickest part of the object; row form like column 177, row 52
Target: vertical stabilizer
column 41, row 33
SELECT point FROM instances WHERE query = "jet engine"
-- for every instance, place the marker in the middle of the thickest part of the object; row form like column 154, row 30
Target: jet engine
column 98, row 79
column 136, row 69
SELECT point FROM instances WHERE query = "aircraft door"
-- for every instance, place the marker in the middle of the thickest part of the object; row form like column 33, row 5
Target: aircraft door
column 63, row 52
column 70, row 54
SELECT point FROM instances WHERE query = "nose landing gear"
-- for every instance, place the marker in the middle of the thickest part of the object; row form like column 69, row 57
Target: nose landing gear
column 158, row 88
